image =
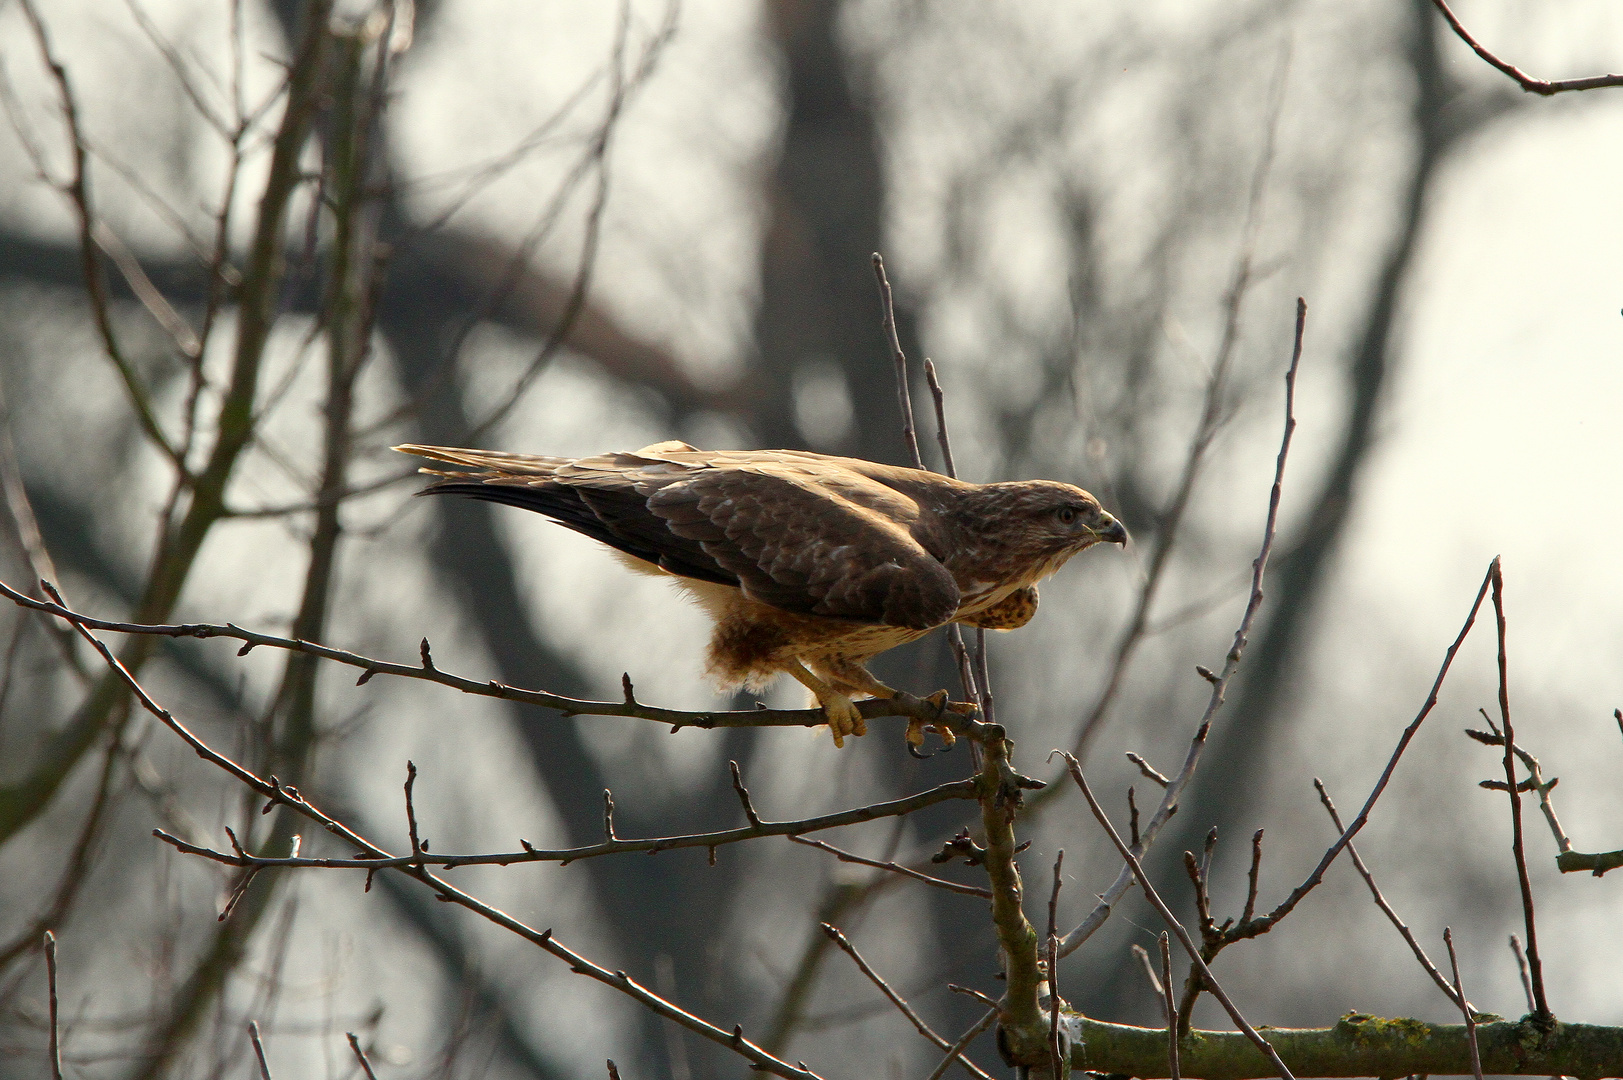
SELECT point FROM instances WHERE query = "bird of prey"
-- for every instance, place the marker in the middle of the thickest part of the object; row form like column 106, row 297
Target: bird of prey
column 809, row 565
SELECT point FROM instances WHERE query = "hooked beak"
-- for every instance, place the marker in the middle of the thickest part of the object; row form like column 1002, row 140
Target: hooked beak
column 1111, row 531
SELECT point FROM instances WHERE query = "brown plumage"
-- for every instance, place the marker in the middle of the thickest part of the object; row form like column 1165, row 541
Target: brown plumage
column 808, row 564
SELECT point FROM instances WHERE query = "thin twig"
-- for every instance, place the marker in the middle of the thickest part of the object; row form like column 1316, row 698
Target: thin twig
column 903, row 394
column 50, row 979
column 902, row 705
column 1256, row 868
column 1172, row 922
column 1522, row 79
column 1262, row 924
column 1147, row 769
column 1056, row 1052
column 1169, row 1006
column 1174, row 790
column 936, row 394
column 895, row 868
column 956, row 1050
column 259, row 1050
column 1465, row 1010
column 291, row 798
column 411, row 811
column 845, row 946
column 1521, row 966
column 360, row 1056
column 1541, row 1010
column 958, row 789
column 1151, row 974
column 1381, row 902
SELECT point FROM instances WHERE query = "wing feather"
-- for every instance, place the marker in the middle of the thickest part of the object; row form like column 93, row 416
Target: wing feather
column 819, row 540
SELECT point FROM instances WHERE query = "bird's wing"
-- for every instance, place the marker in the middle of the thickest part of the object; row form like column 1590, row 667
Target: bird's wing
column 815, row 541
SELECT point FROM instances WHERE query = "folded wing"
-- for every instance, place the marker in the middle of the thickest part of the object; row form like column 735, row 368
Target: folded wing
column 820, row 541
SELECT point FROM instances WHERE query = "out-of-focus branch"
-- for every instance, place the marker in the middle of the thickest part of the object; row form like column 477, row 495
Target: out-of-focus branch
column 1174, row 790
column 258, row 299
column 1522, row 79
column 1214, row 415
column 77, row 190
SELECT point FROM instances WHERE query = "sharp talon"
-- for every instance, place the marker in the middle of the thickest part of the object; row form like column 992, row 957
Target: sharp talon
column 911, row 749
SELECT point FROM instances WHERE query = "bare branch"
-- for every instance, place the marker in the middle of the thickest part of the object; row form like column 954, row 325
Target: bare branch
column 895, row 868
column 960, row 789
column 1169, row 801
column 1056, row 1048
column 1173, row 924
column 1147, row 769
column 366, row 1066
column 924, row 710
column 957, row 1049
column 1380, row 901
column 291, row 798
column 259, row 1050
column 845, row 946
column 50, row 978
column 1522, row 79
column 1541, row 1011
column 903, row 393
column 1169, row 1007
column 1465, row 1010
column 1521, row 966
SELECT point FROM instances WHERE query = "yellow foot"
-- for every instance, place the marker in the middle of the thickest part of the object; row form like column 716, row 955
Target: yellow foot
column 916, row 727
column 843, row 717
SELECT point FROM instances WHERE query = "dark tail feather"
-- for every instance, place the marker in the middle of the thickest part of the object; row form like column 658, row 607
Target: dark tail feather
column 621, row 521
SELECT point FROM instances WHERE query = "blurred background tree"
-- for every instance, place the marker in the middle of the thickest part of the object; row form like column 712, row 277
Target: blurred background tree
column 570, row 228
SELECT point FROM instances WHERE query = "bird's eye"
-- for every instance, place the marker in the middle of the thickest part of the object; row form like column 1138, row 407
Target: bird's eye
column 1066, row 514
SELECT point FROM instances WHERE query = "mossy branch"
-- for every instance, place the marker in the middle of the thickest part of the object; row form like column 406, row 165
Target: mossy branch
column 1359, row 1045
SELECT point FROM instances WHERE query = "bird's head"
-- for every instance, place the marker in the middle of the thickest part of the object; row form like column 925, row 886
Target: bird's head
column 1041, row 523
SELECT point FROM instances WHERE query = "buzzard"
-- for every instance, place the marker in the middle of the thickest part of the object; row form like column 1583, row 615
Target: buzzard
column 808, row 564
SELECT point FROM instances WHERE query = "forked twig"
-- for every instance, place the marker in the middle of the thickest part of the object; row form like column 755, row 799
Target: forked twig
column 1173, row 924
column 1541, row 1006
column 1174, row 790
column 1380, row 901
column 845, row 946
